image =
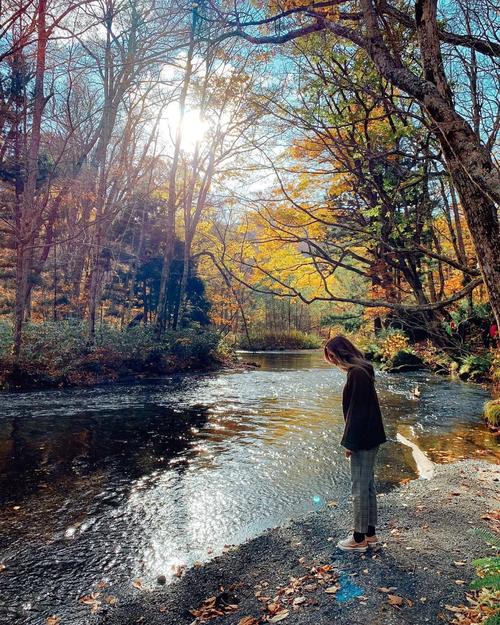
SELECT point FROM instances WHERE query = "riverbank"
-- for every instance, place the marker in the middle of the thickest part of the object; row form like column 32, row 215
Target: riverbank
column 21, row 378
column 60, row 355
column 423, row 566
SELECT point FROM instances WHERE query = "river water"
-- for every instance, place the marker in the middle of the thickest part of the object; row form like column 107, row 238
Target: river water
column 127, row 482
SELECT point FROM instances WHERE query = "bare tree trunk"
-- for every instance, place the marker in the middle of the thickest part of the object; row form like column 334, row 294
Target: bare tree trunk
column 168, row 254
column 27, row 226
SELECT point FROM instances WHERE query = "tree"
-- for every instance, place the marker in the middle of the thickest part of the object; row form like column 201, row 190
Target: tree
column 376, row 28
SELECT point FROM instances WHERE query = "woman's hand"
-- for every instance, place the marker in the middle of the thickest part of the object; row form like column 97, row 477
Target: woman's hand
column 348, row 453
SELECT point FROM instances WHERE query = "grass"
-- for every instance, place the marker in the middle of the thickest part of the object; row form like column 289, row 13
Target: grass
column 279, row 340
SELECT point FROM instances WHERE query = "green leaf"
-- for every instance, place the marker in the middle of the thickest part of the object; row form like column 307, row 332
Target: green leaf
column 489, row 581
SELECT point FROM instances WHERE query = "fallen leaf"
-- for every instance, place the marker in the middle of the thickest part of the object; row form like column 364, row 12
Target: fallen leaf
column 395, row 600
column 53, row 620
column 93, row 597
column 2, row 567
column 111, row 600
column 248, row 620
column 331, row 590
column 458, row 563
column 385, row 589
column 217, row 605
column 459, row 582
column 137, row 584
column 279, row 617
column 92, row 601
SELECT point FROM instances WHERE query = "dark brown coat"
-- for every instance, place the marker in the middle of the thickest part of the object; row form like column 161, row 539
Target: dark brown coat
column 364, row 427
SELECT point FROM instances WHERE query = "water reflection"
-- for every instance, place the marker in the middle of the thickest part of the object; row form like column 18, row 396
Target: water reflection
column 127, row 482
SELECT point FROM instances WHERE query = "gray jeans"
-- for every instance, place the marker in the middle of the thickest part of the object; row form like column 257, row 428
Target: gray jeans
column 363, row 488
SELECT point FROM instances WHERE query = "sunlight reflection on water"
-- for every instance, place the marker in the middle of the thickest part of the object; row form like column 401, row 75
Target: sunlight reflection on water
column 138, row 480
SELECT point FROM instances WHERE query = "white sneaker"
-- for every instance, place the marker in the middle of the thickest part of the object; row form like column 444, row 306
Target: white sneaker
column 349, row 544
column 372, row 541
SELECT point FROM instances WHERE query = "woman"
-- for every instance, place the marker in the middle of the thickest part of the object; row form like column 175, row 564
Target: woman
column 363, row 433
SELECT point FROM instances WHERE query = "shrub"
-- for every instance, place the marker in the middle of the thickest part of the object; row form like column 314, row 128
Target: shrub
column 371, row 350
column 58, row 353
column 492, row 412
column 54, row 344
column 435, row 358
column 134, row 342
column 475, row 367
column 392, row 342
column 268, row 340
column 404, row 360
column 192, row 344
column 5, row 339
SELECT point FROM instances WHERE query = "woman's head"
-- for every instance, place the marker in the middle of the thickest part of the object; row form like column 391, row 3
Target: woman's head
column 339, row 351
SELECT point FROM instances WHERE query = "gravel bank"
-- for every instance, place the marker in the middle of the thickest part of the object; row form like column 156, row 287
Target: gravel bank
column 424, row 525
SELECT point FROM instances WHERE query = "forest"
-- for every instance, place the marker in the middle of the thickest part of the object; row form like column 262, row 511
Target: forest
column 245, row 247
column 193, row 175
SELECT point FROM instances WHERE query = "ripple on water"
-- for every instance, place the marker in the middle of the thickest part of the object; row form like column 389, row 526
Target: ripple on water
column 125, row 482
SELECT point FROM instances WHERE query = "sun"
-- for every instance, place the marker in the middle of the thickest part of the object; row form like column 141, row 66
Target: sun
column 193, row 127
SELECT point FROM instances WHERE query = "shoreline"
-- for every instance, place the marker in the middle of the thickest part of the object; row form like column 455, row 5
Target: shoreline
column 129, row 377
column 424, row 525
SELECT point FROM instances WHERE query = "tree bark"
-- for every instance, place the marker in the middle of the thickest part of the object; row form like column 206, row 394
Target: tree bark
column 168, row 254
column 28, row 210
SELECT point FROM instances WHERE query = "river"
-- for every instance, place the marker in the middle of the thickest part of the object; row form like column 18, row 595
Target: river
column 127, row 482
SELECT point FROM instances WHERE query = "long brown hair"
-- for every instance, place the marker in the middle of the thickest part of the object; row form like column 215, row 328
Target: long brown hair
column 341, row 352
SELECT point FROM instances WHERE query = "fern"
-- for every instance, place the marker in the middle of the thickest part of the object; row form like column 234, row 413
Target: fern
column 488, row 568
column 489, row 537
column 488, row 581
column 488, row 565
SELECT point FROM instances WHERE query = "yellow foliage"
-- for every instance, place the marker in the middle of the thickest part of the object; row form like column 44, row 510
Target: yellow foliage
column 392, row 344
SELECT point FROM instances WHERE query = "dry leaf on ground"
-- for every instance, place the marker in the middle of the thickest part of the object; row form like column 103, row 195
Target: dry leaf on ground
column 53, row 620
column 218, row 605
column 281, row 616
column 395, row 600
column 92, row 601
column 248, row 620
column 385, row 590
column 482, row 604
